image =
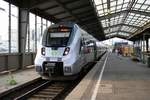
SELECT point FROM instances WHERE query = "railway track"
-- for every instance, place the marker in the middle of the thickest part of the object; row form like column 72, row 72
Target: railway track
column 48, row 91
column 45, row 90
column 40, row 90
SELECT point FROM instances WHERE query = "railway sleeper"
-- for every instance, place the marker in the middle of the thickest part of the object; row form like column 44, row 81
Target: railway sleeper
column 44, row 96
column 48, row 93
column 53, row 90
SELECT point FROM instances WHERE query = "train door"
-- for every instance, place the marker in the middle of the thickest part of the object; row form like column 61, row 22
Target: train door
column 82, row 54
column 95, row 51
column 80, row 58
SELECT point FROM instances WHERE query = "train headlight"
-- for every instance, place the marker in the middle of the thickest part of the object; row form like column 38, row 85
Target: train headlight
column 67, row 49
column 68, row 69
column 43, row 51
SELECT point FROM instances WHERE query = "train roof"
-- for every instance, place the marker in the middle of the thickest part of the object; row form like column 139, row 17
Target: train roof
column 67, row 24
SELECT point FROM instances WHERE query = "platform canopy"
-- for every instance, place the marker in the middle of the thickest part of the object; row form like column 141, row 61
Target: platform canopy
column 80, row 11
column 101, row 18
column 123, row 18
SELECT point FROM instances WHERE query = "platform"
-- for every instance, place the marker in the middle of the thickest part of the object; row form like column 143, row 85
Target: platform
column 21, row 77
column 117, row 78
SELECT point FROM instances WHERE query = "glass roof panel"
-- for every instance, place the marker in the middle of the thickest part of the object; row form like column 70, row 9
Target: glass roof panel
column 104, row 1
column 137, row 6
column 140, row 1
column 111, row 34
column 132, row 15
column 147, row 2
column 97, row 2
column 113, row 3
column 144, row 7
column 128, row 29
column 125, row 5
column 100, row 12
column 119, row 2
column 136, row 19
column 119, row 7
column 112, row 9
column 105, row 5
column 99, row 7
column 123, row 33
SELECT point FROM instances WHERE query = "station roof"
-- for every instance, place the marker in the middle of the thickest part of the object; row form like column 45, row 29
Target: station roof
column 101, row 18
column 123, row 18
column 81, row 12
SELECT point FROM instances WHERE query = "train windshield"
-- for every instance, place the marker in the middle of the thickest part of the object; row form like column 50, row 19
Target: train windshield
column 58, row 36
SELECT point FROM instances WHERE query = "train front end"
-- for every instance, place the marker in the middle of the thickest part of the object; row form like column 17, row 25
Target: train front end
column 55, row 57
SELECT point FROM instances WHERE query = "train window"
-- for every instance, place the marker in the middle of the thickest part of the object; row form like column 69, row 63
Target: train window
column 58, row 36
column 81, row 45
column 56, row 40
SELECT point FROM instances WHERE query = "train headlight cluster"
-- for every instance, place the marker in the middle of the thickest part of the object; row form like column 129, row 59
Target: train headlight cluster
column 43, row 51
column 68, row 69
column 67, row 49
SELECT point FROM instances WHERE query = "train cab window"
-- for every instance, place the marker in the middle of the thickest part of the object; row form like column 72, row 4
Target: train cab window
column 58, row 37
column 81, row 45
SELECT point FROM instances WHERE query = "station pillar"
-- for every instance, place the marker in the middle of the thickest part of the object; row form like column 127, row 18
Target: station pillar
column 23, row 26
column 147, row 44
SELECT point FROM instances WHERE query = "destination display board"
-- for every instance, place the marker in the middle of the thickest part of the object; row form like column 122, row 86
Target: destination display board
column 59, row 32
column 59, row 29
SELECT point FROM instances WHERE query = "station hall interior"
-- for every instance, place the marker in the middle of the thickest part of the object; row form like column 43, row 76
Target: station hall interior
column 115, row 33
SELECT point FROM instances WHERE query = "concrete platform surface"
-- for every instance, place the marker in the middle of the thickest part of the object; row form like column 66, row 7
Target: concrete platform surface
column 121, row 79
column 87, row 81
column 21, row 77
